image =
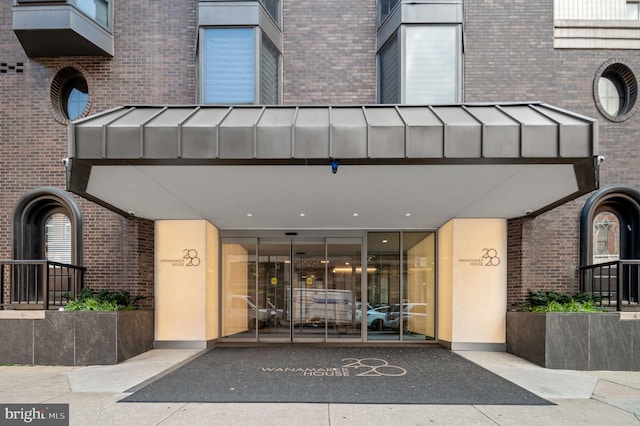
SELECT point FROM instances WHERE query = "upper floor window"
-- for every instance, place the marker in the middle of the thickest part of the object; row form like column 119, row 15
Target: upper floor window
column 229, row 66
column 632, row 10
column 240, row 52
column 70, row 98
column 615, row 90
column 384, row 9
column 98, row 10
column 236, row 70
column 420, row 62
column 56, row 28
column 432, row 65
column 273, row 7
column 596, row 24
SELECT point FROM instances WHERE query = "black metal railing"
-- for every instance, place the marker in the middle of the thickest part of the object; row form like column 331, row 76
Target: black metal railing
column 38, row 284
column 613, row 284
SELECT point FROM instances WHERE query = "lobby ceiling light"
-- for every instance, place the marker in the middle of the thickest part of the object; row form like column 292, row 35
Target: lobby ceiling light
column 385, row 241
column 407, row 214
column 355, row 215
column 345, row 270
column 249, row 214
column 302, row 215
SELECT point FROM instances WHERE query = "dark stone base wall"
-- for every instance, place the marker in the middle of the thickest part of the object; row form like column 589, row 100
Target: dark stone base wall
column 76, row 338
column 575, row 341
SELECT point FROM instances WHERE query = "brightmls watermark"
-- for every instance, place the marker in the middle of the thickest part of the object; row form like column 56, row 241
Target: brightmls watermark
column 34, row 414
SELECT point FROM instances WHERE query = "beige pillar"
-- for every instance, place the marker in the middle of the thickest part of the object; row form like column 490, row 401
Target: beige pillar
column 472, row 284
column 186, row 283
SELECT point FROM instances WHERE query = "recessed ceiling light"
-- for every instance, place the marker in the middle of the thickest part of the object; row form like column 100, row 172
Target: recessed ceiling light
column 407, row 214
column 302, row 215
column 385, row 241
column 355, row 215
column 249, row 214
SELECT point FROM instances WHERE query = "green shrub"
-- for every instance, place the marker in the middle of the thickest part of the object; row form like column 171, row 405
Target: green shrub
column 552, row 301
column 103, row 300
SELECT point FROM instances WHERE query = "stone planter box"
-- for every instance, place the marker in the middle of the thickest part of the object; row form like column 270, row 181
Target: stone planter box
column 576, row 341
column 74, row 338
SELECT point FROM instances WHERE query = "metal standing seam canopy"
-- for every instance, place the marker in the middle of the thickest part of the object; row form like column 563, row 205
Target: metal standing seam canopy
column 130, row 159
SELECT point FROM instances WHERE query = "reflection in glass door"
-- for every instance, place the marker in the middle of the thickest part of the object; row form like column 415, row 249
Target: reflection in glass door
column 327, row 290
column 284, row 290
column 309, row 296
column 401, row 286
column 344, row 284
column 274, row 288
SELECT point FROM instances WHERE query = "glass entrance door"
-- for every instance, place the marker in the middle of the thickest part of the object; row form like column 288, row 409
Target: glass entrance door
column 309, row 296
column 291, row 290
column 274, row 290
column 327, row 291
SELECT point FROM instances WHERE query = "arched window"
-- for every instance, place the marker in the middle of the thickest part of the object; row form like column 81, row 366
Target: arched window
column 47, row 240
column 606, row 237
column 610, row 225
column 610, row 232
column 47, row 225
column 57, row 237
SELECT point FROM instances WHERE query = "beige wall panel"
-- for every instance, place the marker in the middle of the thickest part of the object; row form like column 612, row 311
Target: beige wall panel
column 181, row 280
column 472, row 296
column 479, row 280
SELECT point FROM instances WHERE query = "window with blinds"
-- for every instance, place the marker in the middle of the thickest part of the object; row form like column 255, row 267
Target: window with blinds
column 229, row 66
column 57, row 230
column 269, row 74
column 431, row 75
column 389, row 66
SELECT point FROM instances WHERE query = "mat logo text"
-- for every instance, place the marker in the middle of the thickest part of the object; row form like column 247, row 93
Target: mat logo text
column 370, row 367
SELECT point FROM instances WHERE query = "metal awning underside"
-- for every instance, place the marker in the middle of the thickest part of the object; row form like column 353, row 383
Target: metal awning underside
column 122, row 157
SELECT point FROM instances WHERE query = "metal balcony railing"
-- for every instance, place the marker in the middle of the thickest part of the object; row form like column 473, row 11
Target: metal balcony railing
column 613, row 284
column 38, row 284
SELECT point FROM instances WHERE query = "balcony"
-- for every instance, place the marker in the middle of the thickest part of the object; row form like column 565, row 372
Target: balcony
column 38, row 284
column 53, row 28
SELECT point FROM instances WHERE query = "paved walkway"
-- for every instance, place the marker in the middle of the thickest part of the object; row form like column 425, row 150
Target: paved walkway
column 587, row 398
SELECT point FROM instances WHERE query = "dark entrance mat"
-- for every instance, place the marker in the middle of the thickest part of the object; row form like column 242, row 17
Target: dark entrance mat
column 350, row 375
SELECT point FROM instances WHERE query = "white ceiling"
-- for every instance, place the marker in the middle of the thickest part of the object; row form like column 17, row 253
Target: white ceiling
column 382, row 196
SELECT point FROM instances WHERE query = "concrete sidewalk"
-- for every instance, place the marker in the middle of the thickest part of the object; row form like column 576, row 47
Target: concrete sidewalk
column 601, row 397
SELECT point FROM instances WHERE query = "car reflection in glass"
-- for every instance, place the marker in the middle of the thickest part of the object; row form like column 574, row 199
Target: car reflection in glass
column 414, row 317
column 376, row 317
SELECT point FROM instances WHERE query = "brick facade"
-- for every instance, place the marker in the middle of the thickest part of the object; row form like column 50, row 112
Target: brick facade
column 513, row 59
column 328, row 58
column 154, row 64
column 329, row 52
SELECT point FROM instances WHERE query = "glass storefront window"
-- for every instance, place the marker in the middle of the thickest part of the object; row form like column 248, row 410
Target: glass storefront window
column 312, row 290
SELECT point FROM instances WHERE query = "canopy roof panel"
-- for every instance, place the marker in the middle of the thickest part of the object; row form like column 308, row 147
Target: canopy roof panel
column 259, row 167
